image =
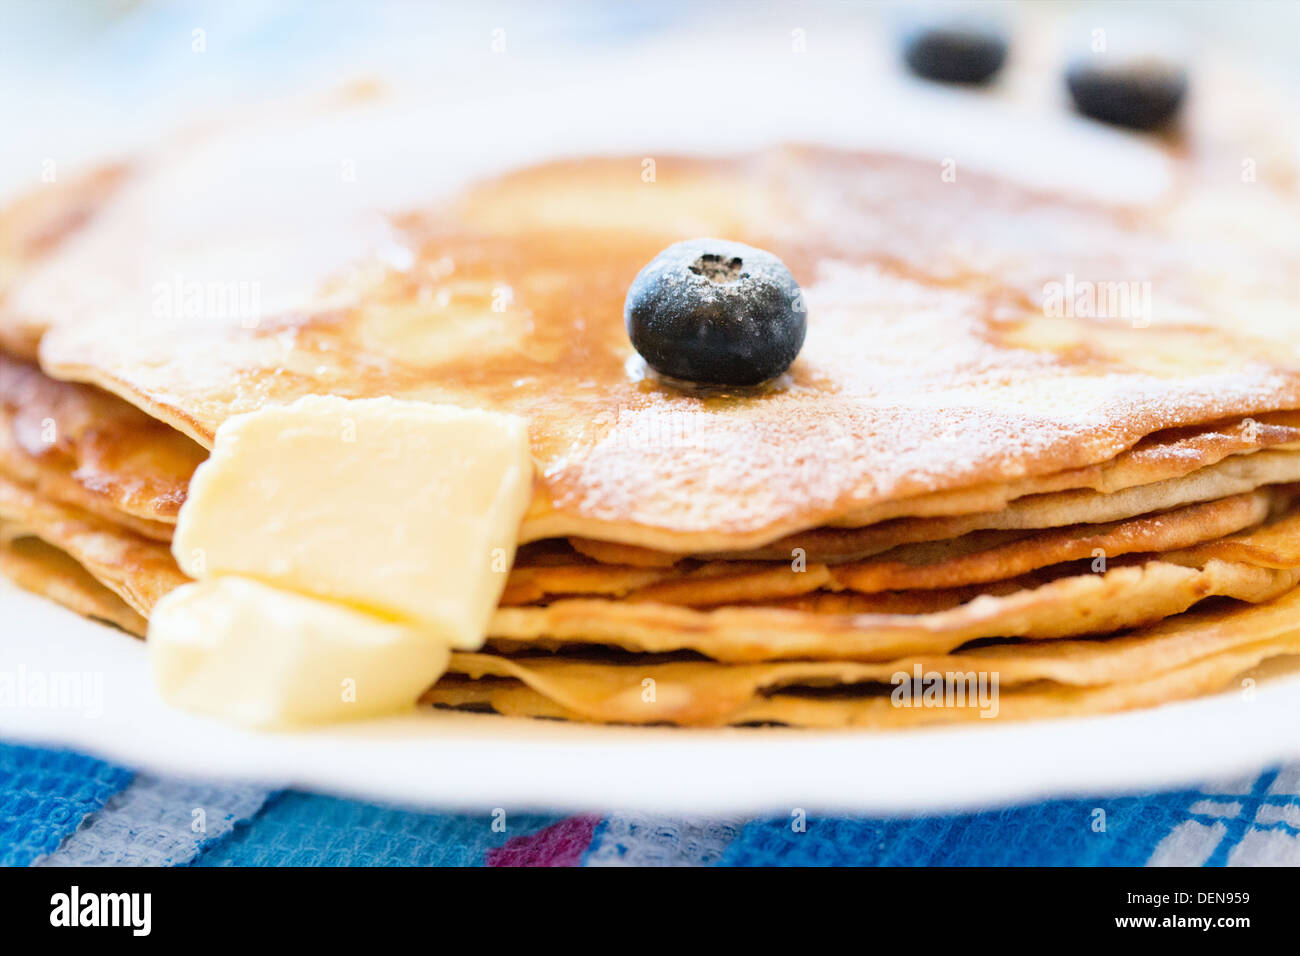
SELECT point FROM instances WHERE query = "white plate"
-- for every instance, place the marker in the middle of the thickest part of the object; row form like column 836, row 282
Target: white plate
column 480, row 762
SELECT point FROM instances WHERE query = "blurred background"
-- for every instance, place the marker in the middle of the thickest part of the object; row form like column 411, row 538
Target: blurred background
column 99, row 76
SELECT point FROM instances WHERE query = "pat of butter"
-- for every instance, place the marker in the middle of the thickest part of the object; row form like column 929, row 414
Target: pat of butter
column 247, row 652
column 405, row 510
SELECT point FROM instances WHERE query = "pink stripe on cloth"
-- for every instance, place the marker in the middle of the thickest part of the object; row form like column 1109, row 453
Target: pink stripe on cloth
column 560, row 844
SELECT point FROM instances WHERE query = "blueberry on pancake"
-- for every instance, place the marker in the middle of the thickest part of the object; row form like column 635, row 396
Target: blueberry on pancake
column 1140, row 93
column 716, row 312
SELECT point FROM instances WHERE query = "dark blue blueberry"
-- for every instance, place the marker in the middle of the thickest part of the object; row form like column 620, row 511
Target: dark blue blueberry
column 960, row 51
column 1140, row 93
column 716, row 312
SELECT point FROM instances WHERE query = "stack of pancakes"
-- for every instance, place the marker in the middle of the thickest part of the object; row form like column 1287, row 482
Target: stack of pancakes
column 956, row 477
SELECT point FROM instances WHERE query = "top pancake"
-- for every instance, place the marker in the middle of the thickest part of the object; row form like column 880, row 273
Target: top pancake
column 931, row 362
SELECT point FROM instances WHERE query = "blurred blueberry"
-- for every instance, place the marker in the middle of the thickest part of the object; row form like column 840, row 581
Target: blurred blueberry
column 956, row 50
column 1137, row 92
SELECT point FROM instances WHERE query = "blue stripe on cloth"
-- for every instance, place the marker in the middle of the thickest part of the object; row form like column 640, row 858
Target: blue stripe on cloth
column 641, row 839
column 157, row 821
column 44, row 796
column 300, row 829
column 1059, row 832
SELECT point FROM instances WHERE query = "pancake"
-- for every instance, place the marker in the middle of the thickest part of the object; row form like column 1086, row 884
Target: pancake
column 979, row 387
column 939, row 566
column 37, row 223
column 1045, row 606
column 1079, row 604
column 1190, row 654
column 528, row 585
column 1229, row 477
column 52, row 478
column 977, row 558
column 1038, row 701
column 1164, row 455
column 45, row 570
column 705, row 693
column 1204, row 677
column 90, row 449
column 137, row 569
column 1275, row 545
column 111, row 459
column 715, row 583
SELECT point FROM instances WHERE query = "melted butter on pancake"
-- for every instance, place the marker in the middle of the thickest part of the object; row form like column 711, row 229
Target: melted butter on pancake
column 1161, row 356
column 461, row 325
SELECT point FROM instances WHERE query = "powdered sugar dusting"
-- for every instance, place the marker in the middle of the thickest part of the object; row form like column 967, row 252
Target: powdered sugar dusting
column 931, row 362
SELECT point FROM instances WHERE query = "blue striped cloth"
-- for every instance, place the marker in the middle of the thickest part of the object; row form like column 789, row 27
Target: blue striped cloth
column 60, row 808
